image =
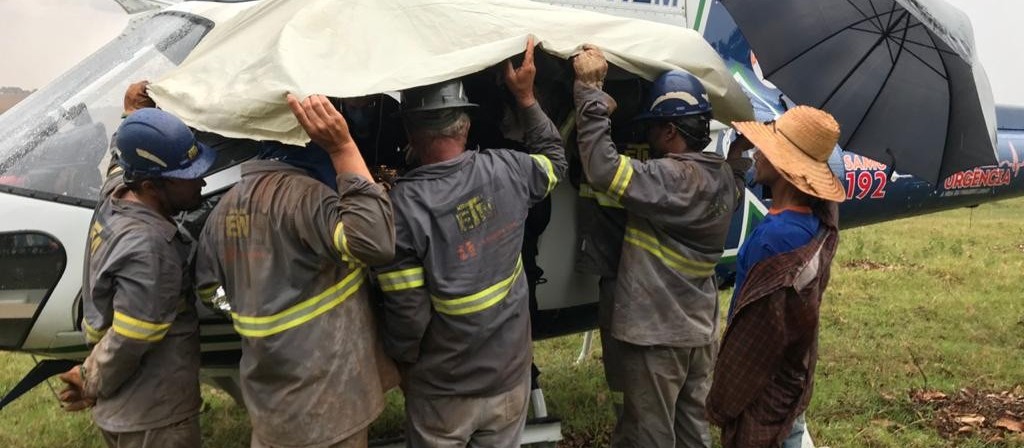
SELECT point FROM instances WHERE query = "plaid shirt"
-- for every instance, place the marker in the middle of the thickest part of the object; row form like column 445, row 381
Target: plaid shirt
column 765, row 369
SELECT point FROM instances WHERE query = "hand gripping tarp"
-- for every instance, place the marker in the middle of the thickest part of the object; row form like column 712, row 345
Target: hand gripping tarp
column 234, row 83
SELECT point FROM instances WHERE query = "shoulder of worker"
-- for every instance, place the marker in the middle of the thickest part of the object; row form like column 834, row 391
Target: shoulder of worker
column 134, row 238
column 289, row 176
column 710, row 166
column 136, row 220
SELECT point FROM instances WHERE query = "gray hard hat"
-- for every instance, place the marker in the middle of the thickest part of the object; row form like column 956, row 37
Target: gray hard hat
column 443, row 95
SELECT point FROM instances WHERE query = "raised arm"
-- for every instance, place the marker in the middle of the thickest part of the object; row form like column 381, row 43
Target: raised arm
column 548, row 164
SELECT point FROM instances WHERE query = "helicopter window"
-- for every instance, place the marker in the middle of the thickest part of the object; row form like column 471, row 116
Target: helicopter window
column 31, row 263
column 56, row 141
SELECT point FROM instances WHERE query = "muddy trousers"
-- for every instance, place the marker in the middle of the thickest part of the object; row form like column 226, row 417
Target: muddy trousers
column 183, row 434
column 357, row 440
column 664, row 393
column 475, row 422
column 610, row 347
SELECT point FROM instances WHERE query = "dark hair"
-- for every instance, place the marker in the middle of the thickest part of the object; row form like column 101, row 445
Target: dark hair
column 135, row 183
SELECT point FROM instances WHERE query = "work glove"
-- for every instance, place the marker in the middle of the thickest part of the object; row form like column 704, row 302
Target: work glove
column 591, row 66
column 136, row 98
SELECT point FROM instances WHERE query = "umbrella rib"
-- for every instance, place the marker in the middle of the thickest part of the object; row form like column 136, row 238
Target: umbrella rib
column 864, row 30
column 892, row 57
column 878, row 42
column 908, row 27
column 879, row 94
column 823, row 40
column 892, row 13
column 862, row 13
column 926, row 64
column 930, row 47
column 879, row 16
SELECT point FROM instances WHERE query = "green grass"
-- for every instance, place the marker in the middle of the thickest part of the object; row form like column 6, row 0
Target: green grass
column 936, row 297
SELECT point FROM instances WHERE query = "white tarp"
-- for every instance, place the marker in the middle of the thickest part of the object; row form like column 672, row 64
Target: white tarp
column 235, row 81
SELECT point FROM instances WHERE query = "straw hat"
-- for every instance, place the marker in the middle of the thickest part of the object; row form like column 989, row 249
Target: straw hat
column 799, row 144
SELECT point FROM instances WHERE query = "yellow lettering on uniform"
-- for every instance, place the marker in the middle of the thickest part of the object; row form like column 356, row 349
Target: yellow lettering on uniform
column 470, row 214
column 236, row 224
column 94, row 237
column 638, row 151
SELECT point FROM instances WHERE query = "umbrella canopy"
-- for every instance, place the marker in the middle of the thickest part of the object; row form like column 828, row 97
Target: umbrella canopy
column 900, row 76
column 235, row 81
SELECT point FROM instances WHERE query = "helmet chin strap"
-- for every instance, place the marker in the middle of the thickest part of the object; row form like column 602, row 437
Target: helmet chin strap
column 703, row 142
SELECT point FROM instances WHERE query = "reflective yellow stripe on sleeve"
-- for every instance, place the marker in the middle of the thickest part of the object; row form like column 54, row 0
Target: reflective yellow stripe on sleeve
column 545, row 163
column 341, row 244
column 92, row 335
column 671, row 258
column 586, row 191
column 298, row 314
column 133, row 328
column 623, row 175
column 480, row 301
column 401, row 280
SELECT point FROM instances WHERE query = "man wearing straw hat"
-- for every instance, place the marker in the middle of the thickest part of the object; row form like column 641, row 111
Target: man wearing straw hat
column 664, row 316
column 764, row 374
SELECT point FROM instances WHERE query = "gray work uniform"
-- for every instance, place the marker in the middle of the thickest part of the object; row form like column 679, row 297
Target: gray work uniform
column 600, row 228
column 456, row 300
column 665, row 311
column 292, row 257
column 183, row 434
column 144, row 366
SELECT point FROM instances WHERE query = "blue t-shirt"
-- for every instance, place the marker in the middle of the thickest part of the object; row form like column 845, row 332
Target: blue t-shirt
column 780, row 232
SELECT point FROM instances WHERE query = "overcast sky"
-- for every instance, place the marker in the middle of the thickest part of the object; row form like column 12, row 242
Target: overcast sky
column 40, row 39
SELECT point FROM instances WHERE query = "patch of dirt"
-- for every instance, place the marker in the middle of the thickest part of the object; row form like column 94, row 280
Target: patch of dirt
column 871, row 265
column 991, row 416
column 582, row 440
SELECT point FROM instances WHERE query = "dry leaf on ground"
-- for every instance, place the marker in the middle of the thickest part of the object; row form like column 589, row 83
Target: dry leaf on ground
column 971, row 419
column 1010, row 424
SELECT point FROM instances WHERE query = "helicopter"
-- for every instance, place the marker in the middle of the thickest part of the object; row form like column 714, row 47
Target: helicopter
column 56, row 141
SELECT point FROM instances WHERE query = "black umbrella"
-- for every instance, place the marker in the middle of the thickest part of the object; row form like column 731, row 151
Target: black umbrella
column 900, row 76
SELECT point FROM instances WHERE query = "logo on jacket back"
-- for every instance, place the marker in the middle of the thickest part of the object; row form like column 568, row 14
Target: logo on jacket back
column 474, row 212
column 236, row 224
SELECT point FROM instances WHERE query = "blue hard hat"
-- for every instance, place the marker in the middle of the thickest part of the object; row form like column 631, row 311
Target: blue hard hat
column 154, row 143
column 675, row 94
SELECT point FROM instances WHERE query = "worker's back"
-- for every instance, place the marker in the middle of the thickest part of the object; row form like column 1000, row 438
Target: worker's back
column 670, row 249
column 291, row 253
column 464, row 219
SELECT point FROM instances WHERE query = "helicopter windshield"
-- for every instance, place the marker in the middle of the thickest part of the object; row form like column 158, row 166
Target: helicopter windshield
column 56, row 141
